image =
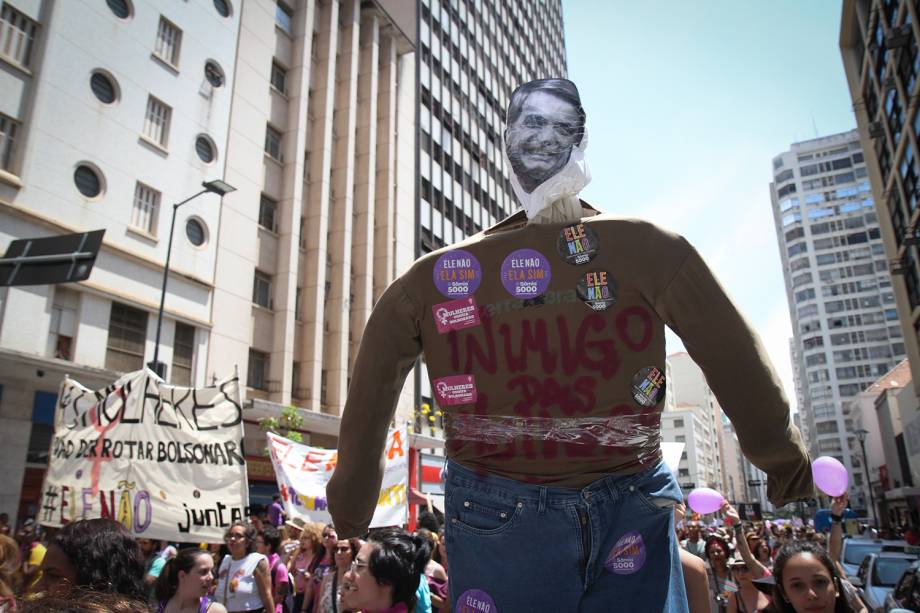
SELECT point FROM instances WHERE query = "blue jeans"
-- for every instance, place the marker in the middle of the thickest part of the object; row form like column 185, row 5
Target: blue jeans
column 610, row 546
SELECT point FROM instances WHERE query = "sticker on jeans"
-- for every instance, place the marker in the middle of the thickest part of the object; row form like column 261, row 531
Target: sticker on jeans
column 648, row 386
column 597, row 289
column 456, row 314
column 475, row 601
column 454, row 390
column 526, row 273
column 457, row 273
column 577, row 244
column 627, row 556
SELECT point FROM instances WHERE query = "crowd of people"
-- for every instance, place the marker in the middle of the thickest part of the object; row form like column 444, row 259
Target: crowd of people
column 765, row 566
column 302, row 567
column 294, row 567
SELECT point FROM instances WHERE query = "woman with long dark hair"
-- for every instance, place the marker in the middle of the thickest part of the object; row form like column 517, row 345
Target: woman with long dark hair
column 184, row 583
column 807, row 581
column 329, row 595
column 96, row 554
column 385, row 574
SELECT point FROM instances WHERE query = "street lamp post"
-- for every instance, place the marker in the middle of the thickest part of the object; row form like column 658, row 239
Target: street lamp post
column 215, row 187
column 861, row 437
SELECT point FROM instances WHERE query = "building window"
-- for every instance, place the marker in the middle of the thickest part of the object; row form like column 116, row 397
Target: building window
column 146, row 206
column 194, row 231
column 9, row 127
column 120, row 8
column 127, row 334
column 267, row 211
column 156, row 123
column 213, row 73
column 283, row 17
column 279, row 77
column 298, row 300
column 222, row 7
column 63, row 327
column 103, row 87
column 17, row 33
column 678, row 423
column 257, row 369
column 680, row 438
column 87, row 181
column 273, row 143
column 262, row 290
column 183, row 354
column 205, row 149
column 169, row 40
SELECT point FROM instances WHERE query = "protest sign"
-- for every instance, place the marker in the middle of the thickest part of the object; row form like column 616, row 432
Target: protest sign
column 166, row 462
column 303, row 472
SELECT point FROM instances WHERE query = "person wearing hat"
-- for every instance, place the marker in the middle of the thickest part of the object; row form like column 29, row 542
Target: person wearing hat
column 747, row 599
column 721, row 584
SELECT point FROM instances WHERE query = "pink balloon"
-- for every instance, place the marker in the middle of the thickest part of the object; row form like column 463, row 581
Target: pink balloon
column 830, row 475
column 705, row 500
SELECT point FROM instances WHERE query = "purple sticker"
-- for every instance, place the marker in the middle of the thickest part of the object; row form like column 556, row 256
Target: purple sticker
column 475, row 601
column 627, row 556
column 454, row 390
column 457, row 273
column 456, row 314
column 526, row 273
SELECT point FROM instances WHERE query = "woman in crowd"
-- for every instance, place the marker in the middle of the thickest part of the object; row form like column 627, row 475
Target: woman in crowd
column 268, row 543
column 243, row 580
column 95, row 554
column 807, row 581
column 327, row 562
column 440, row 552
column 184, row 583
column 305, row 561
column 748, row 599
column 720, row 579
column 9, row 564
column 385, row 574
column 435, row 574
column 329, row 595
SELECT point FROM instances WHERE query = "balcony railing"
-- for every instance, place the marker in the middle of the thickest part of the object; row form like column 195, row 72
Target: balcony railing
column 17, row 34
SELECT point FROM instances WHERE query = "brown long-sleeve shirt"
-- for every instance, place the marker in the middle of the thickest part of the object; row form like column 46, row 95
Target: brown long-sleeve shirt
column 548, row 324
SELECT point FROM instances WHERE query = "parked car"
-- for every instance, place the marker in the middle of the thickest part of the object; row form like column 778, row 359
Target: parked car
column 906, row 593
column 878, row 574
column 855, row 550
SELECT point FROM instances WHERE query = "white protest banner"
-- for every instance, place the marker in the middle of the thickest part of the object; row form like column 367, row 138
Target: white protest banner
column 166, row 462
column 303, row 472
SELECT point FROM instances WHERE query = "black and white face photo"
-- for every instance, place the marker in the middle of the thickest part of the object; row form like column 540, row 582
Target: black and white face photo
column 545, row 122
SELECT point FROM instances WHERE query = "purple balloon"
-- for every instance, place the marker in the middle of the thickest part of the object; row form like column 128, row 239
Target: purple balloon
column 705, row 500
column 830, row 475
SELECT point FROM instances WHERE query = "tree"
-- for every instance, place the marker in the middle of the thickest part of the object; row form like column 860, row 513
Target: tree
column 287, row 425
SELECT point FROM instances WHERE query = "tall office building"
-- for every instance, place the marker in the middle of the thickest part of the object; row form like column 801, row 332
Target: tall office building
column 880, row 45
column 111, row 111
column 350, row 157
column 692, row 415
column 471, row 56
column 837, row 282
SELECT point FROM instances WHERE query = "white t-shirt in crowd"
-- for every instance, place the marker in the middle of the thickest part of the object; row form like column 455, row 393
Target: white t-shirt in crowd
column 236, row 584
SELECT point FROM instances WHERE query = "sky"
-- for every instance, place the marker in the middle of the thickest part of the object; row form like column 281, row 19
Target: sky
column 687, row 103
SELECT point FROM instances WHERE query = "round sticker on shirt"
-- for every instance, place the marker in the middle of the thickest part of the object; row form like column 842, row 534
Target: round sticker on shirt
column 648, row 386
column 627, row 556
column 597, row 289
column 457, row 273
column 526, row 273
column 475, row 601
column 577, row 244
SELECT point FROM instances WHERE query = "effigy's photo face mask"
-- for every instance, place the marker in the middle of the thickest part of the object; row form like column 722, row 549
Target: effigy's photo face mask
column 540, row 141
column 545, row 141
